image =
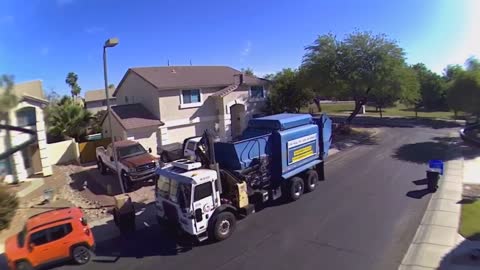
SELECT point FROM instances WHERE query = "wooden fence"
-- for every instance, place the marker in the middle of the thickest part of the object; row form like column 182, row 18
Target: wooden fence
column 87, row 149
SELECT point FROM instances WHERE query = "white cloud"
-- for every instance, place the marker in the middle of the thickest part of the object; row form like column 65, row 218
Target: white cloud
column 64, row 2
column 94, row 29
column 44, row 51
column 6, row 19
column 247, row 49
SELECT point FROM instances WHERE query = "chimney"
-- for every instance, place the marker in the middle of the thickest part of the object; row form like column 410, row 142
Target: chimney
column 238, row 79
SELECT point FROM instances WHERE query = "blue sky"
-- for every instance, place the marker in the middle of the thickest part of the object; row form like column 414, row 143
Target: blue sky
column 46, row 39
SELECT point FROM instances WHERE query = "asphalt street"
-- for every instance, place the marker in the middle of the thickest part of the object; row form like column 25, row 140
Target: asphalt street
column 359, row 218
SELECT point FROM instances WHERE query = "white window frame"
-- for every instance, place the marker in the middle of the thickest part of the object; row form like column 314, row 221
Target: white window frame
column 190, row 105
column 252, row 98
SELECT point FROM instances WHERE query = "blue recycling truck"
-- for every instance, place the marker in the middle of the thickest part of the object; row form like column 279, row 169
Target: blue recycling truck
column 276, row 156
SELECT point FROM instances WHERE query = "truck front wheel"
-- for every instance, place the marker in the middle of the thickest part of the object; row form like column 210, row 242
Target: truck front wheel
column 311, row 180
column 295, row 188
column 224, row 226
column 127, row 183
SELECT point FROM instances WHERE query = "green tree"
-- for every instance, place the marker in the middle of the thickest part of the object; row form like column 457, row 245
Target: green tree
column 286, row 95
column 248, row 71
column 432, row 88
column 473, row 64
column 111, row 86
column 353, row 67
column 8, row 99
column 72, row 81
column 68, row 119
column 410, row 95
column 451, row 72
column 8, row 207
column 464, row 93
column 96, row 121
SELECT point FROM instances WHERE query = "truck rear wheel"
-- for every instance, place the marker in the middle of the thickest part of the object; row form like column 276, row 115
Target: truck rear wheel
column 295, row 188
column 224, row 226
column 311, row 180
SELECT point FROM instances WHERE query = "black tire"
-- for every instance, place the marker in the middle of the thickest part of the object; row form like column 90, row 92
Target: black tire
column 127, row 183
column 101, row 167
column 81, row 254
column 311, row 180
column 223, row 226
column 23, row 265
column 296, row 186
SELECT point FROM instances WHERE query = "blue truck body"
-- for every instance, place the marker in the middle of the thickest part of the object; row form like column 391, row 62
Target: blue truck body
column 293, row 143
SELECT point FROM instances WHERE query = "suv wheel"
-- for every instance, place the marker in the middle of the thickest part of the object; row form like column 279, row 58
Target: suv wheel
column 81, row 254
column 23, row 265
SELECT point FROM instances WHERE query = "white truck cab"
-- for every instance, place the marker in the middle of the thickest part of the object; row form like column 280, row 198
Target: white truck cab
column 187, row 196
column 189, row 148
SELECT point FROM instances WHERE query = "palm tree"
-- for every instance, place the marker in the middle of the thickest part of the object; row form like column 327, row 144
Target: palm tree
column 72, row 81
column 68, row 119
column 8, row 101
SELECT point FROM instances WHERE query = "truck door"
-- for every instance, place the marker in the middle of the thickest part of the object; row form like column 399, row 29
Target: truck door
column 203, row 205
column 109, row 156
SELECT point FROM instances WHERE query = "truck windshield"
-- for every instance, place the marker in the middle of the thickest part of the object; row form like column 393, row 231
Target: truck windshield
column 174, row 191
column 131, row 150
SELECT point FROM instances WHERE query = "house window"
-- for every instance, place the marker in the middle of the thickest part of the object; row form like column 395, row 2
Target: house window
column 26, row 117
column 191, row 96
column 257, row 92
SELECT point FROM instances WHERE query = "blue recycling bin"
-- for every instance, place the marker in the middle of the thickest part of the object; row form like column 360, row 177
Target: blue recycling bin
column 435, row 169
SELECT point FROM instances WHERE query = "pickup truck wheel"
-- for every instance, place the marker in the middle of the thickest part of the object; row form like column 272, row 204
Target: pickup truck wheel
column 295, row 188
column 311, row 180
column 23, row 265
column 224, row 226
column 127, row 183
column 101, row 167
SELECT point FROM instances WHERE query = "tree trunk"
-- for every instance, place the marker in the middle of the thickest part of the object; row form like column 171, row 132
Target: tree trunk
column 317, row 103
column 416, row 112
column 455, row 114
column 359, row 102
column 381, row 115
column 358, row 106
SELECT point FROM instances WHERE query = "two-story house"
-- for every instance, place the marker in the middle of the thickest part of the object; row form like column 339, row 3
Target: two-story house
column 163, row 105
column 95, row 100
column 27, row 114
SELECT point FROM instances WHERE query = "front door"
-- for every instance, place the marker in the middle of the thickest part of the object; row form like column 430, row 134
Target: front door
column 203, row 205
column 36, row 161
column 237, row 113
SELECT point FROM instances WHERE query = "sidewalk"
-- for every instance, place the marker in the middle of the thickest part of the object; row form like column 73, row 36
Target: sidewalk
column 437, row 244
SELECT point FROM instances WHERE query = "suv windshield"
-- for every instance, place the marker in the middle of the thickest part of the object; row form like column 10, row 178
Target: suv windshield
column 174, row 191
column 131, row 150
column 21, row 237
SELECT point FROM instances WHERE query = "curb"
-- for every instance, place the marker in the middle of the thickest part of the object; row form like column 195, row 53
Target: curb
column 437, row 233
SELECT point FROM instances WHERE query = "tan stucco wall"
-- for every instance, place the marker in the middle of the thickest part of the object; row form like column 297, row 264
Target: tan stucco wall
column 62, row 152
column 147, row 137
column 180, row 133
column 170, row 105
column 138, row 91
column 118, row 130
column 96, row 106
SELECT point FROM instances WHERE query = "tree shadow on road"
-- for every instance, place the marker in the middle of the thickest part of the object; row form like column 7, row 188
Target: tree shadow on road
column 438, row 148
column 399, row 122
column 465, row 254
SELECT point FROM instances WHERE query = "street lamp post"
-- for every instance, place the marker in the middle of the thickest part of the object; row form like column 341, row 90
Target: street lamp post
column 111, row 42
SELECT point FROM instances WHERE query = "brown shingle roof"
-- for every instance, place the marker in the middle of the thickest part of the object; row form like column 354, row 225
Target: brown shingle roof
column 133, row 116
column 94, row 95
column 225, row 91
column 173, row 77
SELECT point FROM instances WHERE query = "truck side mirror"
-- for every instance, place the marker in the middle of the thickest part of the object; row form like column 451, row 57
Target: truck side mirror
column 111, row 159
column 31, row 246
column 198, row 215
column 149, row 150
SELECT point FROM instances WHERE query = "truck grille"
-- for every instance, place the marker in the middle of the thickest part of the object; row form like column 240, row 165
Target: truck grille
column 145, row 167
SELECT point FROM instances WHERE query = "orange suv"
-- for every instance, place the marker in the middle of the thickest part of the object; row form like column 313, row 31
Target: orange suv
column 48, row 237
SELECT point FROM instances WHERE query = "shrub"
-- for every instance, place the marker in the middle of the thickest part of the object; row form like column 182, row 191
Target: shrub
column 8, row 207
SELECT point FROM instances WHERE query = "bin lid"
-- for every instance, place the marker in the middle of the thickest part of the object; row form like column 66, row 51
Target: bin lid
column 281, row 121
